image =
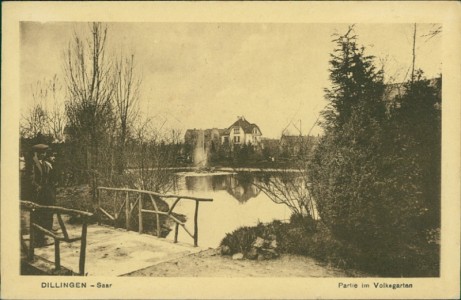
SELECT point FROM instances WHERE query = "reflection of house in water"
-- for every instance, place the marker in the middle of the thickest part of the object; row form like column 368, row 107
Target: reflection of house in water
column 239, row 186
column 242, row 190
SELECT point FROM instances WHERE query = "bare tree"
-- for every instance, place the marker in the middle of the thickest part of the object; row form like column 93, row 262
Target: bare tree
column 46, row 115
column 289, row 188
column 126, row 96
column 57, row 115
column 34, row 121
column 103, row 115
column 90, row 86
column 433, row 32
column 291, row 185
column 413, row 54
column 152, row 158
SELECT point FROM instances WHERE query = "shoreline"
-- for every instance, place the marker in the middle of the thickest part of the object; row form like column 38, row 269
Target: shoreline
column 213, row 170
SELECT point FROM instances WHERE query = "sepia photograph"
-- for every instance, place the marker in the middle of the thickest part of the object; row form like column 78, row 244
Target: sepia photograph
column 170, row 150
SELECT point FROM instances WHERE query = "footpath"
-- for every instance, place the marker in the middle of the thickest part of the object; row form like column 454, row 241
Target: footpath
column 210, row 263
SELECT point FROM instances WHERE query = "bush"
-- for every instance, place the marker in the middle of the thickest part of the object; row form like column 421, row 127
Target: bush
column 241, row 239
column 295, row 237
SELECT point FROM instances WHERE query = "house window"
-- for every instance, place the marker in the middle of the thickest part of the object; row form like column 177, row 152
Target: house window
column 237, row 139
column 236, row 130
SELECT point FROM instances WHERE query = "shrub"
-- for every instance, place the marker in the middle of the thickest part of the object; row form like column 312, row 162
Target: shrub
column 241, row 239
column 294, row 237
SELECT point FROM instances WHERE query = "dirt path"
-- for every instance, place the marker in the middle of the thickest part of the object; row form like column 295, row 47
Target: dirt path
column 210, row 263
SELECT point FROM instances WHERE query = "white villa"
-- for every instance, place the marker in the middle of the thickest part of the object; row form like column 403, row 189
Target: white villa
column 242, row 132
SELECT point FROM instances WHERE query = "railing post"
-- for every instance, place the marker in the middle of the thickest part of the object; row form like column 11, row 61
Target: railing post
column 127, row 211
column 140, row 213
column 30, row 255
column 83, row 248
column 159, row 229
column 114, row 206
column 34, row 229
column 176, row 232
column 98, row 198
column 62, row 225
column 196, row 224
column 157, row 216
column 57, row 255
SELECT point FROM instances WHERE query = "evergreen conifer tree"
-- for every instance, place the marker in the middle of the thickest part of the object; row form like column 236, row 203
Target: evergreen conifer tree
column 369, row 192
column 345, row 168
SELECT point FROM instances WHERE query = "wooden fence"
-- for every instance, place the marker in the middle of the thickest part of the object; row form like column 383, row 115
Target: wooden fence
column 34, row 227
column 129, row 204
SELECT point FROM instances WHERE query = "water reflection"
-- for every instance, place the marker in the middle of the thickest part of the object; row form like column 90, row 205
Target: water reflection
column 237, row 202
column 240, row 186
column 242, row 190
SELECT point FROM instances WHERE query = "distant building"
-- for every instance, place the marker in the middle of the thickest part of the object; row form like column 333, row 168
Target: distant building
column 190, row 136
column 213, row 138
column 242, row 132
column 295, row 145
column 271, row 144
column 239, row 133
column 224, row 134
column 210, row 136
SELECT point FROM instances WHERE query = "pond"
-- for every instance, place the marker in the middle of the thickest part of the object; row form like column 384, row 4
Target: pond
column 236, row 203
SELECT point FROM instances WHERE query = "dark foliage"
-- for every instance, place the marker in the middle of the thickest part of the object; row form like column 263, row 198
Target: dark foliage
column 376, row 175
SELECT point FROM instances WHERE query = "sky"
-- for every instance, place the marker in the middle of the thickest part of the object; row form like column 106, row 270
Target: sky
column 205, row 75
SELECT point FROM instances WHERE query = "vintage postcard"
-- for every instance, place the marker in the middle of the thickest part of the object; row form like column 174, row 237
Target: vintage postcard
column 238, row 150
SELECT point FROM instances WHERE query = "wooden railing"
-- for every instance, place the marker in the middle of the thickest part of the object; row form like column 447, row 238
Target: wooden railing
column 34, row 227
column 129, row 204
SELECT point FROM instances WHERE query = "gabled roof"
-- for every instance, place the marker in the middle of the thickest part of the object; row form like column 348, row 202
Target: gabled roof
column 292, row 129
column 225, row 131
column 247, row 126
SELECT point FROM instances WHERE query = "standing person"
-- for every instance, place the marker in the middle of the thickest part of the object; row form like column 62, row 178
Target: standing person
column 50, row 160
column 42, row 191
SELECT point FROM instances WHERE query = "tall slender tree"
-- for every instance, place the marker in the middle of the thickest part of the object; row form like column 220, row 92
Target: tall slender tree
column 345, row 163
column 356, row 83
column 90, row 88
column 126, row 96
